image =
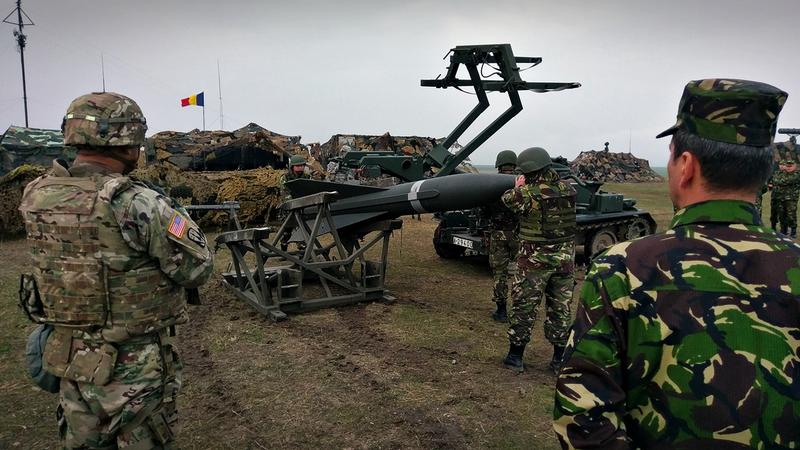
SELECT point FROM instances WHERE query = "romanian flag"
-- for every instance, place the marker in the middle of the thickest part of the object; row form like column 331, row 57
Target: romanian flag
column 196, row 99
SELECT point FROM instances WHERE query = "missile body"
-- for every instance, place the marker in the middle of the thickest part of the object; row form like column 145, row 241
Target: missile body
column 361, row 204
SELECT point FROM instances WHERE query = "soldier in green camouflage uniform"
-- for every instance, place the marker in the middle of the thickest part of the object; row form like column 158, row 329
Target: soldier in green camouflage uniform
column 545, row 206
column 689, row 339
column 785, row 186
column 502, row 240
column 111, row 258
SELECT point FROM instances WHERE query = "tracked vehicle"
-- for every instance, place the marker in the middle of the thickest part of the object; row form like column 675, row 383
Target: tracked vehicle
column 604, row 218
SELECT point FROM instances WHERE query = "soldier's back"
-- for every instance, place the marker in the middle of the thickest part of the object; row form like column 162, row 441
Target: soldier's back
column 712, row 317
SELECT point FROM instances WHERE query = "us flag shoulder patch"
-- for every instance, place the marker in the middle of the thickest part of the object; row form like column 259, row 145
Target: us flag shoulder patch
column 177, row 226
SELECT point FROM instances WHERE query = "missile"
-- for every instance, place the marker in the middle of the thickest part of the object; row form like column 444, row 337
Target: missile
column 361, row 204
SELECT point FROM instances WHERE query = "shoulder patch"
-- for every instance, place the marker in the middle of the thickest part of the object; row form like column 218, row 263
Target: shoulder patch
column 196, row 236
column 177, row 226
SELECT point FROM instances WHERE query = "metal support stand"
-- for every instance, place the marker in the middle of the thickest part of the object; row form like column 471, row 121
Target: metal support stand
column 307, row 263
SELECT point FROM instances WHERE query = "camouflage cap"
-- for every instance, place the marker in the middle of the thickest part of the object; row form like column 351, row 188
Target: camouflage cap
column 104, row 119
column 733, row 111
column 297, row 160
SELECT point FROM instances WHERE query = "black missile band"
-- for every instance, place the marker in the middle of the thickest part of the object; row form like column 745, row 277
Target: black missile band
column 412, row 197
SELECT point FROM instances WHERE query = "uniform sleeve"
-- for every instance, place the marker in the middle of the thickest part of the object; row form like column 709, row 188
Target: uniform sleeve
column 514, row 200
column 590, row 399
column 150, row 223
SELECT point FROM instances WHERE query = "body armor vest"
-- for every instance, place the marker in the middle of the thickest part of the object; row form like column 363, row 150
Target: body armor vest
column 88, row 277
column 552, row 218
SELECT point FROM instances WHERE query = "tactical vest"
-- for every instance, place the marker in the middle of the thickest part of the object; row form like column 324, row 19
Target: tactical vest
column 552, row 218
column 88, row 277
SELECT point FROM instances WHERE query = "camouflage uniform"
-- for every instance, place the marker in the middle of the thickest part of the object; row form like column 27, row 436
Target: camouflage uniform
column 503, row 247
column 546, row 259
column 783, row 203
column 670, row 351
column 111, row 258
column 688, row 339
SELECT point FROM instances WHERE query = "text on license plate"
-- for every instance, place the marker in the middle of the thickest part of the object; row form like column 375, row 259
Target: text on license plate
column 461, row 242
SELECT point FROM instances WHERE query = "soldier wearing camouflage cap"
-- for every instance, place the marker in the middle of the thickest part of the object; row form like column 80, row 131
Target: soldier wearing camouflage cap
column 689, row 338
column 111, row 259
column 502, row 239
column 785, row 185
column 545, row 207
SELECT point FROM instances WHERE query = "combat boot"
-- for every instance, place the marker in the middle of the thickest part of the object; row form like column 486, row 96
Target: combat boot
column 513, row 360
column 501, row 315
column 794, row 233
column 784, row 230
column 558, row 358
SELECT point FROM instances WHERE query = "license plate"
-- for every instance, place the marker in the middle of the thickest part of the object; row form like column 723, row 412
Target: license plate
column 461, row 242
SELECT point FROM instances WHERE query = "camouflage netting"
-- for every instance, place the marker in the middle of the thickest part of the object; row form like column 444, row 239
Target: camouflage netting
column 246, row 148
column 11, row 187
column 610, row 167
column 258, row 192
column 36, row 146
column 188, row 187
column 386, row 142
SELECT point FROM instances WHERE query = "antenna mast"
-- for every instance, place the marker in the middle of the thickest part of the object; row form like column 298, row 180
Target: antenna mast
column 21, row 43
column 103, row 71
column 219, row 86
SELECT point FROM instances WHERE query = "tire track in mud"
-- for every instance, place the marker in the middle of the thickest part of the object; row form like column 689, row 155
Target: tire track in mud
column 356, row 335
column 217, row 399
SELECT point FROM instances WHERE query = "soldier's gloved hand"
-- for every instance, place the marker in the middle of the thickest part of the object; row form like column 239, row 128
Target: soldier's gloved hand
column 520, row 181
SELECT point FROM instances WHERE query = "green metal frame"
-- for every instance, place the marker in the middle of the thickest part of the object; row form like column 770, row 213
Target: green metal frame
column 272, row 280
column 472, row 58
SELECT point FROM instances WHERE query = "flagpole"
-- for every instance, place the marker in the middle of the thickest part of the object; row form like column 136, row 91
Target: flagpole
column 204, row 117
column 219, row 88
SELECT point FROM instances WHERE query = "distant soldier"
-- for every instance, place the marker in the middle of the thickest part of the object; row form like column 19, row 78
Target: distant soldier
column 545, row 207
column 688, row 339
column 298, row 168
column 785, row 193
column 502, row 239
column 111, row 257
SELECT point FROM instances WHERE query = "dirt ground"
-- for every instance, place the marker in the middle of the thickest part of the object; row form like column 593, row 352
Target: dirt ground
column 422, row 372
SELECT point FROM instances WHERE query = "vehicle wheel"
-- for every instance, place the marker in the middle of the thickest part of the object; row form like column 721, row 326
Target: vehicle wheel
column 445, row 250
column 638, row 228
column 601, row 240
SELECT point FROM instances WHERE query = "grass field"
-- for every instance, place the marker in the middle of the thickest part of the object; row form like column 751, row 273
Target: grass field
column 422, row 372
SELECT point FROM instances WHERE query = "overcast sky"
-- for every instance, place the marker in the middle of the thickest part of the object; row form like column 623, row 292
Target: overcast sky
column 316, row 68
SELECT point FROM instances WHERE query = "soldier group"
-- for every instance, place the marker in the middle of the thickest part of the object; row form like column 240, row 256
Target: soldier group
column 688, row 338
column 785, row 187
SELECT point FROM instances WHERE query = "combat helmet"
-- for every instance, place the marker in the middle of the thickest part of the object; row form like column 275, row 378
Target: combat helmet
column 506, row 158
column 104, row 119
column 533, row 159
column 296, row 160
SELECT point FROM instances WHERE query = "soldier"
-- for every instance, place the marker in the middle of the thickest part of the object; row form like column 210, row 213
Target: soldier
column 111, row 259
column 297, row 168
column 688, row 338
column 502, row 240
column 785, row 186
column 545, row 206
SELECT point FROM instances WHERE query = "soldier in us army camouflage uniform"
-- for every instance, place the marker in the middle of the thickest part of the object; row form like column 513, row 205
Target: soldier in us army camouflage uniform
column 545, row 206
column 690, row 338
column 785, row 186
column 111, row 257
column 502, row 239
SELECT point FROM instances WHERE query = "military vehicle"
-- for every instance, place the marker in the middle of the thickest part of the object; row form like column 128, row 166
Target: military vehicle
column 330, row 228
column 603, row 218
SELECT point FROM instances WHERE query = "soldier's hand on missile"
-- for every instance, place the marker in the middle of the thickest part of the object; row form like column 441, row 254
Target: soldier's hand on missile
column 520, row 181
